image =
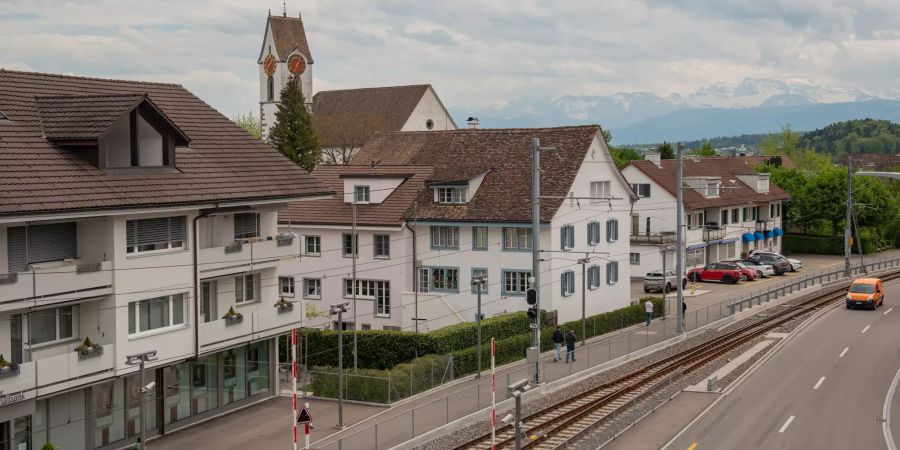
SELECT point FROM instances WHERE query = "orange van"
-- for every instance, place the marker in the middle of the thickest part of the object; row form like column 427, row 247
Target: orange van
column 868, row 292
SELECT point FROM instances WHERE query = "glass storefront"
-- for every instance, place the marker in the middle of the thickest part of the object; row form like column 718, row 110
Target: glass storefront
column 235, row 374
column 205, row 384
column 16, row 434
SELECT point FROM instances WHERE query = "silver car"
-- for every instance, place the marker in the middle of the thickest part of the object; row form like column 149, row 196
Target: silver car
column 796, row 264
column 762, row 269
column 654, row 281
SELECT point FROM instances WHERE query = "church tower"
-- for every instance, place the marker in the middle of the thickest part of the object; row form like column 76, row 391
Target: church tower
column 284, row 53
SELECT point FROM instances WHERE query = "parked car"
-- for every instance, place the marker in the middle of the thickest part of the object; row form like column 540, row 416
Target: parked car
column 796, row 264
column 653, row 281
column 762, row 269
column 747, row 274
column 724, row 272
column 778, row 263
column 865, row 292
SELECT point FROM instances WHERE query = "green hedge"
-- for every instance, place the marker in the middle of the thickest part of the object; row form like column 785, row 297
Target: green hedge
column 383, row 386
column 464, row 335
column 827, row 245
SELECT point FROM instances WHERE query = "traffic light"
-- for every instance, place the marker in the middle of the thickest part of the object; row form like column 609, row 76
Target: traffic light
column 531, row 298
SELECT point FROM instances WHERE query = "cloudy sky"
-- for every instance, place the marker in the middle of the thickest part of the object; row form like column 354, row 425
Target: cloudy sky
column 475, row 52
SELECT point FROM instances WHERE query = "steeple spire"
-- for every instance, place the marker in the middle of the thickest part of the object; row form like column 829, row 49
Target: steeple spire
column 284, row 8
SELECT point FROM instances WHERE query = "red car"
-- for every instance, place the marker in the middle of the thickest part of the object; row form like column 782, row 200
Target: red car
column 747, row 274
column 724, row 272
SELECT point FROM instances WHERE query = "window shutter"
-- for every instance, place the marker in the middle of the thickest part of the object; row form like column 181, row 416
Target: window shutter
column 562, row 238
column 608, row 231
column 16, row 251
column 609, row 273
column 246, row 225
column 176, row 228
column 40, row 243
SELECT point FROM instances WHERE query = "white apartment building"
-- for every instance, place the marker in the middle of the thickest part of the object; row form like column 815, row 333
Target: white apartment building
column 729, row 209
column 135, row 216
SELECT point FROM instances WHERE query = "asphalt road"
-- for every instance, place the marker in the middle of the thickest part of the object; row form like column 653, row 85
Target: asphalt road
column 825, row 389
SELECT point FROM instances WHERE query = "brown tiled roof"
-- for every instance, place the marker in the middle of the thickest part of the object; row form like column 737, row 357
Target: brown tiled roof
column 733, row 191
column 334, row 211
column 223, row 163
column 83, row 116
column 289, row 35
column 504, row 154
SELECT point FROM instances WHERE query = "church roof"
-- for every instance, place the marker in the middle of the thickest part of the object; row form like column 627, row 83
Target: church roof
column 289, row 35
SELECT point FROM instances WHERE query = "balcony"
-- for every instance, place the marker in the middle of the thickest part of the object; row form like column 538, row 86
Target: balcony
column 664, row 237
column 247, row 254
column 70, row 370
column 714, row 234
column 259, row 322
column 765, row 225
column 56, row 281
column 17, row 385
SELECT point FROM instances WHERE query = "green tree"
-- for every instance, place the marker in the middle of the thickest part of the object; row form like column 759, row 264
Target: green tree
column 622, row 155
column 292, row 133
column 250, row 123
column 666, row 151
column 607, row 136
column 706, row 150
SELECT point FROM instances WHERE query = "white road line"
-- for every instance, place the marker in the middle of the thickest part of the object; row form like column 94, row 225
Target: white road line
column 786, row 424
column 886, row 413
column 819, row 383
column 866, row 328
column 885, row 313
column 846, row 349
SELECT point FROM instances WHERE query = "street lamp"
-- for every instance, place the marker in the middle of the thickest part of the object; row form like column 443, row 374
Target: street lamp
column 478, row 282
column 340, row 309
column 516, row 390
column 140, row 359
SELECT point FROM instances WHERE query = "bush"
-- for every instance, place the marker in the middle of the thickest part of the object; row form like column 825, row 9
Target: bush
column 872, row 242
column 464, row 335
column 382, row 386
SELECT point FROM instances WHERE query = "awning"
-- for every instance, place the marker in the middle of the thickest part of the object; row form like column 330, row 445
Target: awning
column 729, row 240
column 748, row 237
column 778, row 231
column 696, row 246
column 759, row 235
column 770, row 234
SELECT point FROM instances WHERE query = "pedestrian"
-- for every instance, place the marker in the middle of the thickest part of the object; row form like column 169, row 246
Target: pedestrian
column 558, row 341
column 683, row 312
column 648, row 307
column 570, row 346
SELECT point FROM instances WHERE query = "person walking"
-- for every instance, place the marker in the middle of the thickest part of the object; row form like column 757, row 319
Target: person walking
column 683, row 312
column 558, row 341
column 570, row 346
column 648, row 307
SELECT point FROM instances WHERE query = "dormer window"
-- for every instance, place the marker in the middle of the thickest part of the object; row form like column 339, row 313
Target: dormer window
column 452, row 195
column 361, row 194
column 712, row 188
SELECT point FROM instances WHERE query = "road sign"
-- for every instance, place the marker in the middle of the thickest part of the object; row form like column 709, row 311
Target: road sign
column 304, row 416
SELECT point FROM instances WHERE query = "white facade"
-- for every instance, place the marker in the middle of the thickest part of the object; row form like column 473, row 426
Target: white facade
column 429, row 114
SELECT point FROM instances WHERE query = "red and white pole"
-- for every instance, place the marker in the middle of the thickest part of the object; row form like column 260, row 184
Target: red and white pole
column 306, row 431
column 493, row 398
column 294, row 387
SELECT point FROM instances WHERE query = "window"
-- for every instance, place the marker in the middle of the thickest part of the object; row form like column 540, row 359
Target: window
column 634, row 259
column 312, row 288
column 445, row 237
column 246, row 288
column 593, row 274
column 270, row 88
column 40, row 243
column 361, row 194
column 429, row 124
column 48, row 325
column 567, row 283
column 745, row 216
column 208, row 300
column 156, row 313
column 366, row 326
column 599, row 190
column 724, row 216
column 712, row 189
column 246, row 225
column 612, row 230
column 735, row 215
column 350, row 245
column 771, row 210
column 641, row 189
column 690, row 221
column 593, row 230
column 515, row 282
column 312, row 245
column 567, row 237
column 730, row 250
column 479, row 238
column 612, row 272
column 444, row 279
column 147, row 235
column 451, row 194
column 517, row 238
column 380, row 291
column 479, row 272
column 286, row 285
column 382, row 246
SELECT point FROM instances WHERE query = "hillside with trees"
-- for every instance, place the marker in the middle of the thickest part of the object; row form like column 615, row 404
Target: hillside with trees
column 854, row 136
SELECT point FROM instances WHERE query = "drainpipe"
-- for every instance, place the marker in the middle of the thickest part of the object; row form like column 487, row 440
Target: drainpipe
column 415, row 276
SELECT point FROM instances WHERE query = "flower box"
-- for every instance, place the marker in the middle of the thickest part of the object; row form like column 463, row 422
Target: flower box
column 284, row 306
column 9, row 370
column 283, row 240
column 232, row 317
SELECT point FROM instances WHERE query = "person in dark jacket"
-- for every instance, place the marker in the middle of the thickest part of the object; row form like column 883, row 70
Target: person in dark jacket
column 570, row 346
column 558, row 341
column 683, row 312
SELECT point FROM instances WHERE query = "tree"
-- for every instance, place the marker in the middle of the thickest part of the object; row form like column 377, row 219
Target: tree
column 706, row 150
column 292, row 133
column 341, row 135
column 622, row 155
column 665, row 150
column 607, row 136
column 250, row 123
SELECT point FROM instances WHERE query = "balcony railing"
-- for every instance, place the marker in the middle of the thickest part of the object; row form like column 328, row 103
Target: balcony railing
column 71, row 369
column 713, row 234
column 260, row 321
column 9, row 278
column 239, row 255
column 48, row 282
column 665, row 237
column 234, row 247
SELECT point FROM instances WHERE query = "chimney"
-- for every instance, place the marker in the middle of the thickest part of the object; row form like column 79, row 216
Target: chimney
column 473, row 123
column 654, row 157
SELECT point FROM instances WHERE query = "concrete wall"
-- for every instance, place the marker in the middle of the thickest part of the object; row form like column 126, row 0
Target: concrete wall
column 429, row 107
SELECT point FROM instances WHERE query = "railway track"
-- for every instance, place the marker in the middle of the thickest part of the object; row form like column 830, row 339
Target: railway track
column 564, row 423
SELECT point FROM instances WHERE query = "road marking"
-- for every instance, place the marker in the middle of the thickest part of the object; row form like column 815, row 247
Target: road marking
column 846, row 349
column 693, row 446
column 885, row 313
column 866, row 328
column 786, row 424
column 886, row 413
column 818, row 383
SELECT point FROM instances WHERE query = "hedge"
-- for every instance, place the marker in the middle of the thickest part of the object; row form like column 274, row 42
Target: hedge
column 827, row 245
column 383, row 386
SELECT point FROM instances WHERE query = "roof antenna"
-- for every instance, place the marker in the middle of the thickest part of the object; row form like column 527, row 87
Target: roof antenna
column 270, row 12
column 284, row 9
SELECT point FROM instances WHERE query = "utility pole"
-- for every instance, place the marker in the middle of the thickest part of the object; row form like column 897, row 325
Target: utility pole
column 339, row 310
column 847, row 234
column 679, row 236
column 536, row 246
column 583, row 262
column 665, row 286
column 354, row 244
column 478, row 282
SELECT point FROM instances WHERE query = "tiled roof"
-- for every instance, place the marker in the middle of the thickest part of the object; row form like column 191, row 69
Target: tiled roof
column 375, row 109
column 223, row 163
column 334, row 211
column 733, row 191
column 504, row 154
column 289, row 35
column 83, row 116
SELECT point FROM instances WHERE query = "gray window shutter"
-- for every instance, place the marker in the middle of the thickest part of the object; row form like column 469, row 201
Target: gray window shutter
column 562, row 238
column 246, row 225
column 155, row 231
column 40, row 243
column 16, row 252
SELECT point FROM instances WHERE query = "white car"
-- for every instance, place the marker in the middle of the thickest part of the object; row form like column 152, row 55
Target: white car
column 762, row 269
column 796, row 264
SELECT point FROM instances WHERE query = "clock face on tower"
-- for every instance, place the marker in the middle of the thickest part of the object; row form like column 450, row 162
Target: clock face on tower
column 269, row 65
column 296, row 65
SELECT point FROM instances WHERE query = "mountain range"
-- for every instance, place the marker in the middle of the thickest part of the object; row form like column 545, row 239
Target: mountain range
column 750, row 106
